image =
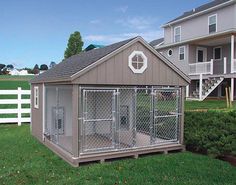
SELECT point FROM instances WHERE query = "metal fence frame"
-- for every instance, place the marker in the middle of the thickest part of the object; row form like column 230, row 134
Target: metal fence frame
column 151, row 90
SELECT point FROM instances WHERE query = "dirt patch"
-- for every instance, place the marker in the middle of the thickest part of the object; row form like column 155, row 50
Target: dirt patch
column 229, row 158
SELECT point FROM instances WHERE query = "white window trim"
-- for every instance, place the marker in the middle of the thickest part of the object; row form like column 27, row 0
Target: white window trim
column 36, row 96
column 184, row 53
column 168, row 52
column 220, row 52
column 209, row 22
column 143, row 68
column 179, row 33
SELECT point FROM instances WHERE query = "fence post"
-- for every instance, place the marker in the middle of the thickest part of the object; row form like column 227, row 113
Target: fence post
column 19, row 106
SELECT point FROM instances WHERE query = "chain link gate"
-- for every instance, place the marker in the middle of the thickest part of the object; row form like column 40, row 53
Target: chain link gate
column 125, row 118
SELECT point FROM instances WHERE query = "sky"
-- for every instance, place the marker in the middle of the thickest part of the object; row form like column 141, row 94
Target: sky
column 36, row 32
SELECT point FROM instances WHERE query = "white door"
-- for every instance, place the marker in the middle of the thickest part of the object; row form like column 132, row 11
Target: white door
column 201, row 54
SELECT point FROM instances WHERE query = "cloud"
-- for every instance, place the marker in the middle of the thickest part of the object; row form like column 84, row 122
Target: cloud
column 139, row 23
column 111, row 38
column 122, row 9
column 95, row 21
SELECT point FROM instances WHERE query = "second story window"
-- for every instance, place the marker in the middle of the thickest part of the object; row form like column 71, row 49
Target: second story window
column 182, row 53
column 177, row 34
column 212, row 21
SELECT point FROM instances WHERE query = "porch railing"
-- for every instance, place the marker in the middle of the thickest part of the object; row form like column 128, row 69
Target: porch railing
column 201, row 68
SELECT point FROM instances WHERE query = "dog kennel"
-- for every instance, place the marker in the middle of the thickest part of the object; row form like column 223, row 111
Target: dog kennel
column 125, row 99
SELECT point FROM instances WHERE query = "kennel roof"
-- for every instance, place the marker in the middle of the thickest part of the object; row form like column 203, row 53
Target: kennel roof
column 71, row 67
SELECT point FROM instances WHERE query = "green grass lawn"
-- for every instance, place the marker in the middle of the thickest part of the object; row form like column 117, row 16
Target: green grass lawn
column 25, row 161
column 206, row 104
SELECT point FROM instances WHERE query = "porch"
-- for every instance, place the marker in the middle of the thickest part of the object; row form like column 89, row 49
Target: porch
column 210, row 62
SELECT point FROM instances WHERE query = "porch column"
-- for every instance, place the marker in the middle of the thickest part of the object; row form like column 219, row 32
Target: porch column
column 232, row 53
column 200, row 87
column 232, row 89
column 187, row 91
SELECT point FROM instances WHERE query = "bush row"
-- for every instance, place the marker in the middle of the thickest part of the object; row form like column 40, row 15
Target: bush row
column 211, row 132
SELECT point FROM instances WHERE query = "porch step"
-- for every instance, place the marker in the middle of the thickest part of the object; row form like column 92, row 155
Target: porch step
column 208, row 86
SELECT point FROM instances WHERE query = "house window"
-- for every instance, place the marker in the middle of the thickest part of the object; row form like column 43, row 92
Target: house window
column 177, row 34
column 36, row 97
column 169, row 52
column 182, row 53
column 212, row 21
column 217, row 53
column 137, row 62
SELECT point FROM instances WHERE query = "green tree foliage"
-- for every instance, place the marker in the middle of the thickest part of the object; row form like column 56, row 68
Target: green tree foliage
column 213, row 133
column 2, row 66
column 36, row 69
column 52, row 64
column 74, row 45
column 44, row 67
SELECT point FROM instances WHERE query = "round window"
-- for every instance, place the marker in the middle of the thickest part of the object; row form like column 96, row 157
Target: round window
column 170, row 52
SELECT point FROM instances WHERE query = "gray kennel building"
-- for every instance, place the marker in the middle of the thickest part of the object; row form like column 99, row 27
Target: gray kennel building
column 121, row 100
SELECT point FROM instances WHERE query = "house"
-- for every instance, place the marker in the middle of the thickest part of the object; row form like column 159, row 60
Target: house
column 23, row 72
column 121, row 100
column 201, row 42
column 93, row 46
column 13, row 71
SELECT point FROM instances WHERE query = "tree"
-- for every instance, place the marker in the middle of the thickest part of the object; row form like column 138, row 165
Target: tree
column 10, row 66
column 2, row 66
column 44, row 67
column 52, row 64
column 36, row 69
column 74, row 45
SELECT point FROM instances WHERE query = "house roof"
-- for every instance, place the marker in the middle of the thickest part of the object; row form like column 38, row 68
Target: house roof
column 65, row 69
column 76, row 65
column 92, row 46
column 198, row 10
column 156, row 42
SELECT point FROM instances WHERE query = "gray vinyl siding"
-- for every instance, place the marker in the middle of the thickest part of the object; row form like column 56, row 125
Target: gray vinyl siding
column 198, row 26
column 181, row 64
column 115, row 71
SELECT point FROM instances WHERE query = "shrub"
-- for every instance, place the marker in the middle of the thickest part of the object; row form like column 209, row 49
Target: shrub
column 211, row 132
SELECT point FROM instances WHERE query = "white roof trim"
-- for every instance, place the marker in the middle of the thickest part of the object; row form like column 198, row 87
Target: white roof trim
column 212, row 35
column 198, row 13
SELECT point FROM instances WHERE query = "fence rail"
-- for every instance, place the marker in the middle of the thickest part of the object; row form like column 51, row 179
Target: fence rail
column 18, row 110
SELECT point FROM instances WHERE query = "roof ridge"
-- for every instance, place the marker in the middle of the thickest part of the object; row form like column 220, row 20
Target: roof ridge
column 198, row 9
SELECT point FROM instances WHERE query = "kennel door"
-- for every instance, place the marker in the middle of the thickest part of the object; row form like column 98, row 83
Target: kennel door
column 166, row 115
column 98, row 126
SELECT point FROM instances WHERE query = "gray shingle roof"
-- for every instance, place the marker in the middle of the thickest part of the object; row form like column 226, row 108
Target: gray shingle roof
column 156, row 42
column 65, row 69
column 199, row 9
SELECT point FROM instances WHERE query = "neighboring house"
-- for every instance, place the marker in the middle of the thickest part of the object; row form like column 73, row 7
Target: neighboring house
column 201, row 42
column 24, row 72
column 13, row 71
column 110, row 102
column 93, row 46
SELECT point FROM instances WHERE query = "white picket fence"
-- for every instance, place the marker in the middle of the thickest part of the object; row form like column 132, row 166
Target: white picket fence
column 19, row 110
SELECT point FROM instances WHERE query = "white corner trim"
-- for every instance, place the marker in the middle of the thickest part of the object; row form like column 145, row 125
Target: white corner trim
column 143, row 68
